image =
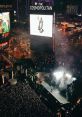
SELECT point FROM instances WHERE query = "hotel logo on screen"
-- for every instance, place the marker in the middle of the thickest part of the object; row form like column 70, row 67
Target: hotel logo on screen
column 41, row 5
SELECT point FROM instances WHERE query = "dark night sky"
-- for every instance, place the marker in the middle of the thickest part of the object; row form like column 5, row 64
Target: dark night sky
column 55, row 1
column 59, row 1
column 58, row 4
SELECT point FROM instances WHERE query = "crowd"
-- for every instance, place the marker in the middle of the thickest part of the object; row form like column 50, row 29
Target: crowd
column 22, row 101
column 28, row 98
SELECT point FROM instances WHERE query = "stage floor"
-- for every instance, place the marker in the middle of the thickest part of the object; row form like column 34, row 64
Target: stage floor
column 55, row 92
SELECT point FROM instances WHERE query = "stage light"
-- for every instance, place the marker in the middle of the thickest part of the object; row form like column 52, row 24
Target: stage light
column 62, row 78
column 68, row 75
column 58, row 74
column 74, row 79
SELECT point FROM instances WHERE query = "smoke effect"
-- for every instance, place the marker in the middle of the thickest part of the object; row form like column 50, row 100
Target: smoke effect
column 63, row 54
column 21, row 33
column 62, row 50
column 62, row 78
column 19, row 44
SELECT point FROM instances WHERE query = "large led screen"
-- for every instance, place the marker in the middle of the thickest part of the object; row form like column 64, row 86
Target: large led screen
column 1, row 23
column 5, row 22
column 41, row 25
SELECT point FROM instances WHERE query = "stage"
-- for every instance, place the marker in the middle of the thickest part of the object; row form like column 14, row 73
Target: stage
column 55, row 93
column 60, row 86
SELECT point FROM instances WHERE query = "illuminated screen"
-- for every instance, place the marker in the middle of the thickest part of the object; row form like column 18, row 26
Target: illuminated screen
column 5, row 22
column 1, row 23
column 41, row 25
